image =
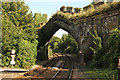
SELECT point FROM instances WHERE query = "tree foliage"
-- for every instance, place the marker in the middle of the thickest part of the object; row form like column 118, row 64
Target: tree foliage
column 54, row 42
column 19, row 34
column 38, row 19
column 66, row 44
column 107, row 58
column 97, row 42
column 111, row 56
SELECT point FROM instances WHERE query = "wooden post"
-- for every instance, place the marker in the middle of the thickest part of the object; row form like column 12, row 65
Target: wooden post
column 119, row 68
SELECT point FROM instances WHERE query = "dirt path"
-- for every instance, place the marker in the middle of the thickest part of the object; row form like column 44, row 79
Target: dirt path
column 8, row 75
column 79, row 72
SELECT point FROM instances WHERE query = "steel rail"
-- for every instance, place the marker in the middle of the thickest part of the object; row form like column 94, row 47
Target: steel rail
column 52, row 61
column 57, row 72
column 70, row 72
column 51, row 64
column 46, row 68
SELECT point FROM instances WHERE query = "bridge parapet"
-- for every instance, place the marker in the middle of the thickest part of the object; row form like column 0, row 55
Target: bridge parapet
column 70, row 9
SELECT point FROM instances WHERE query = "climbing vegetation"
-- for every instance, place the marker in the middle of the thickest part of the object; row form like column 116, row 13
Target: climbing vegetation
column 97, row 42
column 113, row 51
column 106, row 57
column 90, row 12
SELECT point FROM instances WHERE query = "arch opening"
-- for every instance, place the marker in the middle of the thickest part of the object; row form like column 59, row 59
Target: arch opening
column 65, row 43
column 60, row 32
column 49, row 29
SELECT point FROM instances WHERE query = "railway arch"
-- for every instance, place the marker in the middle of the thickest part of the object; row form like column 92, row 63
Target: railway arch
column 80, row 28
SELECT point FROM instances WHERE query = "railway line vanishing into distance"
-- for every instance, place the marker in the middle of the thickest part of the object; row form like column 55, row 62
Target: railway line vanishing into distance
column 58, row 68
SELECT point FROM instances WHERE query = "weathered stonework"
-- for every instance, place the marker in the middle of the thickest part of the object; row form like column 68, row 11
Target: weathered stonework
column 81, row 28
column 70, row 9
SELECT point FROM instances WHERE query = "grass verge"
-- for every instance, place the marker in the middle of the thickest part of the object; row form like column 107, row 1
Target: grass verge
column 106, row 74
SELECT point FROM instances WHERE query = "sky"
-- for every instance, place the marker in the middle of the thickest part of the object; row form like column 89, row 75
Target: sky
column 50, row 7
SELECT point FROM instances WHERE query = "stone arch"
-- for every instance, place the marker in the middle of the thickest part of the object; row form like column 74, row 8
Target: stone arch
column 54, row 24
column 79, row 28
column 46, row 32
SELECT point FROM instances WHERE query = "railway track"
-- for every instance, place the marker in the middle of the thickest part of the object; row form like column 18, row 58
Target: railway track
column 58, row 68
column 64, row 74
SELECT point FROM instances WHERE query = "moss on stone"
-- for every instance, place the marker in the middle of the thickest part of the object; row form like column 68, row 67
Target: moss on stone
column 105, row 8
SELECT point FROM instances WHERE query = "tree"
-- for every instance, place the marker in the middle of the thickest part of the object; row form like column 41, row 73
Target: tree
column 19, row 34
column 54, row 41
column 38, row 19
column 66, row 44
column 71, row 45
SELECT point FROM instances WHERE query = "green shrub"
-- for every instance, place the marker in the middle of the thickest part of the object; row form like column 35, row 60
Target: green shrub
column 107, row 58
column 111, row 56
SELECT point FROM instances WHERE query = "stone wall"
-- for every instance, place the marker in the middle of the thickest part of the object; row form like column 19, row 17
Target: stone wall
column 80, row 29
column 70, row 9
column 103, row 23
column 42, row 53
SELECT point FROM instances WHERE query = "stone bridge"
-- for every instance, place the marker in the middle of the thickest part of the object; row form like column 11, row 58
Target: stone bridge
column 80, row 28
